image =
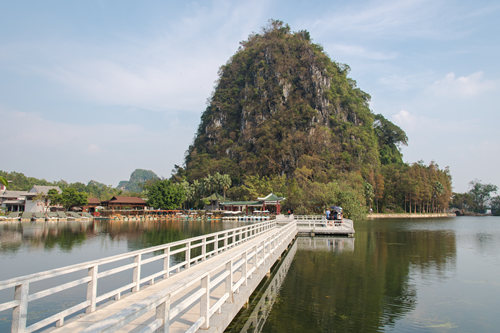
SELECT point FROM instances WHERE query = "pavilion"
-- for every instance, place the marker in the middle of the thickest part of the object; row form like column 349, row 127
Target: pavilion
column 271, row 202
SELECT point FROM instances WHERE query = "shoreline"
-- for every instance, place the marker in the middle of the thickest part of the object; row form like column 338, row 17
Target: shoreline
column 407, row 215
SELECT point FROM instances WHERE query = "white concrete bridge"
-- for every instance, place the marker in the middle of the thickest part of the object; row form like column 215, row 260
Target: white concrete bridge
column 184, row 286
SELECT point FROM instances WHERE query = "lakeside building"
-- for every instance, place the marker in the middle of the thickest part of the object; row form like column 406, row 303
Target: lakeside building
column 124, row 203
column 13, row 201
column 91, row 206
column 31, row 201
column 37, row 201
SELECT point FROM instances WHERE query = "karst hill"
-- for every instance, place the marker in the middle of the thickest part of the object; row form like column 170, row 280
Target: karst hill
column 281, row 104
column 282, row 108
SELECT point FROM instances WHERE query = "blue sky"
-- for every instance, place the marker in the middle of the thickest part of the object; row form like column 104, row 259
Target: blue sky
column 95, row 89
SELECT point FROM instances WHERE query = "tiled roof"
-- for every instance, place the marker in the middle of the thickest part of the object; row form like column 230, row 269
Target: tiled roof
column 44, row 189
column 93, row 201
column 13, row 194
column 126, row 200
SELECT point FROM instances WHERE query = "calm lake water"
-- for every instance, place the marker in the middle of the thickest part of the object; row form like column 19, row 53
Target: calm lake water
column 432, row 275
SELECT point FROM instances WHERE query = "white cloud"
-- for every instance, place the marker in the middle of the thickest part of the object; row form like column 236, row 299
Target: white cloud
column 424, row 126
column 347, row 50
column 384, row 19
column 462, row 86
column 172, row 69
column 405, row 120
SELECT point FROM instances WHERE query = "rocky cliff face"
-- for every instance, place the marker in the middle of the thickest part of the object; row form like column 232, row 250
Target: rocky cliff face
column 280, row 105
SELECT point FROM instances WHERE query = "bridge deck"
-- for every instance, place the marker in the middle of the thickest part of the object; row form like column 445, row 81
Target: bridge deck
column 189, row 282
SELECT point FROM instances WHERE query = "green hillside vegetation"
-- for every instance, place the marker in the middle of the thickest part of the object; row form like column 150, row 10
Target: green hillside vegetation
column 17, row 181
column 286, row 118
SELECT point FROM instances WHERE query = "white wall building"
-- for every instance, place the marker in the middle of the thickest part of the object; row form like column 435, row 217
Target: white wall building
column 33, row 202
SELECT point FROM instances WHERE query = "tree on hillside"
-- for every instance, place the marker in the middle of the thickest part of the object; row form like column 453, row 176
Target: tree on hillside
column 390, row 137
column 165, row 194
column 480, row 195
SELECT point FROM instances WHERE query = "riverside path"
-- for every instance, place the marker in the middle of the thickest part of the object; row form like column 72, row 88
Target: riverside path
column 184, row 286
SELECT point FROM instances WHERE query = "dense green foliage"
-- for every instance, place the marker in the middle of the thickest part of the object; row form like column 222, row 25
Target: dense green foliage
column 19, row 182
column 415, row 188
column 477, row 199
column 3, row 181
column 286, row 118
column 481, row 195
column 164, row 194
column 69, row 198
column 199, row 189
column 138, row 179
column 495, row 206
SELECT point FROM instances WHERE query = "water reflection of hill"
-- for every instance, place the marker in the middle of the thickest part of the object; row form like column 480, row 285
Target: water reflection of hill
column 360, row 289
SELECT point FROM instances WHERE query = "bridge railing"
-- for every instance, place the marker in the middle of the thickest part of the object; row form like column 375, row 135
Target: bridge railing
column 244, row 262
column 316, row 221
column 304, row 218
column 171, row 257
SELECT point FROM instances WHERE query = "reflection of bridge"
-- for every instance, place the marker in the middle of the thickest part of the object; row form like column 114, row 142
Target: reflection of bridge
column 261, row 310
column 263, row 307
column 201, row 282
column 333, row 244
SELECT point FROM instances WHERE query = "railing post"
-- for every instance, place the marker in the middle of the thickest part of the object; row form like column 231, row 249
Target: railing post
column 137, row 273
column 245, row 268
column 216, row 244
column 92, row 289
column 188, row 254
column 229, row 281
column 255, row 257
column 20, row 312
column 205, row 302
column 204, row 249
column 226, row 235
column 163, row 314
column 166, row 262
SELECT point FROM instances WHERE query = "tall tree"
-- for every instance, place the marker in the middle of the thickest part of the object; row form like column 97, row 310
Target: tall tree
column 165, row 194
column 495, row 206
column 70, row 198
column 481, row 194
